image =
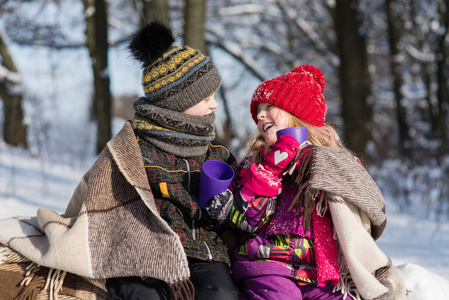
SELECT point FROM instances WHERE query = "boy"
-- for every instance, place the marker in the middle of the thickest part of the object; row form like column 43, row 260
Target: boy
column 173, row 124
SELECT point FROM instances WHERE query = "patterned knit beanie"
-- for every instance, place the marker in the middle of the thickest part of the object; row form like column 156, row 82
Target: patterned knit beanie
column 299, row 92
column 173, row 77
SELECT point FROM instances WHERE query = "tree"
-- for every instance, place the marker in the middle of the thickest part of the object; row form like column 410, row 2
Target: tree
column 154, row 9
column 354, row 77
column 422, row 57
column 195, row 37
column 97, row 42
column 195, row 24
column 427, row 47
column 442, row 56
column 268, row 38
column 14, row 130
column 394, row 22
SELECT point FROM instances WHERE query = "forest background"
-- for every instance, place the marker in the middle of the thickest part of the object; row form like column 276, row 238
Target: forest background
column 65, row 75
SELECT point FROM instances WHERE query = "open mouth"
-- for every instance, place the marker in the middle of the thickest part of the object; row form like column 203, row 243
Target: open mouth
column 267, row 126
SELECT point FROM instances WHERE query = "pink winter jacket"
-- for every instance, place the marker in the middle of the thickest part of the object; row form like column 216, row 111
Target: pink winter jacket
column 275, row 234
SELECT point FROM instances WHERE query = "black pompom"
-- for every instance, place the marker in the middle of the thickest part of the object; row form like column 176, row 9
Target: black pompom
column 150, row 42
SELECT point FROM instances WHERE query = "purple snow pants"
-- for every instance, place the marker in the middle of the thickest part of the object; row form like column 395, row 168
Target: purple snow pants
column 269, row 280
column 271, row 287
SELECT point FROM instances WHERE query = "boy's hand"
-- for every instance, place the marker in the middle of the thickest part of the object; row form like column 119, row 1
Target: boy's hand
column 220, row 205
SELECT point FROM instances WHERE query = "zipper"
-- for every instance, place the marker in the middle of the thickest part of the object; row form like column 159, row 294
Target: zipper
column 200, row 213
column 188, row 174
column 209, row 254
column 188, row 190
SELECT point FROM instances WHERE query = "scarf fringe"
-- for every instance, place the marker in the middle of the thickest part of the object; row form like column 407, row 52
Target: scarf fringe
column 31, row 284
column 55, row 280
column 346, row 284
column 184, row 289
column 304, row 200
column 53, row 283
column 9, row 255
column 321, row 202
column 37, row 279
column 31, row 270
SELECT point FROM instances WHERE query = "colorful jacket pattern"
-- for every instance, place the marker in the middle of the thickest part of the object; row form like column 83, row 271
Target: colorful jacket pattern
column 252, row 213
column 175, row 184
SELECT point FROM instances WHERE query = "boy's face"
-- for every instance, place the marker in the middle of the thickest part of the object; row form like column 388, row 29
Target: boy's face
column 204, row 108
column 270, row 119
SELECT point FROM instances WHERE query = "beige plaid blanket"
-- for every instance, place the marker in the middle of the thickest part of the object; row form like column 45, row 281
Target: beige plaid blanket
column 358, row 216
column 111, row 227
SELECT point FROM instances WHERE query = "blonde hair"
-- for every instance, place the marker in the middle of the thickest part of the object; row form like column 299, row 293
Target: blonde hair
column 325, row 136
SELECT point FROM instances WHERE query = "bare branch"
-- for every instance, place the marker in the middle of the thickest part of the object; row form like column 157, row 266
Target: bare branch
column 305, row 28
column 236, row 51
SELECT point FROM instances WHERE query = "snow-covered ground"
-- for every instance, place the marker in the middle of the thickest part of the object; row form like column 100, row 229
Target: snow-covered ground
column 419, row 246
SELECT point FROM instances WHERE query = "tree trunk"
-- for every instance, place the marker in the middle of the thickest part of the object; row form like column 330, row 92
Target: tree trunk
column 194, row 36
column 195, row 24
column 394, row 35
column 228, row 132
column 14, row 130
column 97, row 41
column 354, row 76
column 425, row 67
column 153, row 10
column 442, row 79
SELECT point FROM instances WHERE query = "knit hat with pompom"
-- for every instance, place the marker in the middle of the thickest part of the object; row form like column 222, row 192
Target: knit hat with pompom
column 174, row 77
column 299, row 92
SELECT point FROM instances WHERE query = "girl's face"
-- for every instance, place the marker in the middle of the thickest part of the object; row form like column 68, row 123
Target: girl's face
column 270, row 119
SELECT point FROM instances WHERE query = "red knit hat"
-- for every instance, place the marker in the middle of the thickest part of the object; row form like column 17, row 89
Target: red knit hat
column 299, row 92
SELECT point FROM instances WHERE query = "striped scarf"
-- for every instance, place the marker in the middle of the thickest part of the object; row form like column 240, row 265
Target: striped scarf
column 174, row 132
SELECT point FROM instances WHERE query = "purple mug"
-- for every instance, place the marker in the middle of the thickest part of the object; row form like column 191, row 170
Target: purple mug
column 215, row 178
column 299, row 133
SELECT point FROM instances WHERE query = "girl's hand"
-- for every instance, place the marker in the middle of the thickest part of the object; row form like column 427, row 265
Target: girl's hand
column 281, row 154
column 265, row 178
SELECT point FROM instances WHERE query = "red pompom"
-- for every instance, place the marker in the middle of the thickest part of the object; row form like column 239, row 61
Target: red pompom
column 314, row 71
column 317, row 75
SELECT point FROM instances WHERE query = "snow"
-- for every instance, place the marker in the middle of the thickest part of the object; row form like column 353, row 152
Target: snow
column 426, row 285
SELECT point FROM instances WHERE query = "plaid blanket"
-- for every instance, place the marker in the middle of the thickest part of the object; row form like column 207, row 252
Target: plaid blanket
column 22, row 279
column 358, row 215
column 111, row 227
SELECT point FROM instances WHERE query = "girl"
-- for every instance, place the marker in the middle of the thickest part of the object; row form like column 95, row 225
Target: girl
column 309, row 213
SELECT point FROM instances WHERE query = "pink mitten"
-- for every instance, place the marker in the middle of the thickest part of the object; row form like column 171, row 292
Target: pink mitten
column 281, row 154
column 263, row 178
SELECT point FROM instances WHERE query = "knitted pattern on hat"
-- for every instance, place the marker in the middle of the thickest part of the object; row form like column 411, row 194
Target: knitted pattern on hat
column 299, row 92
column 173, row 77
